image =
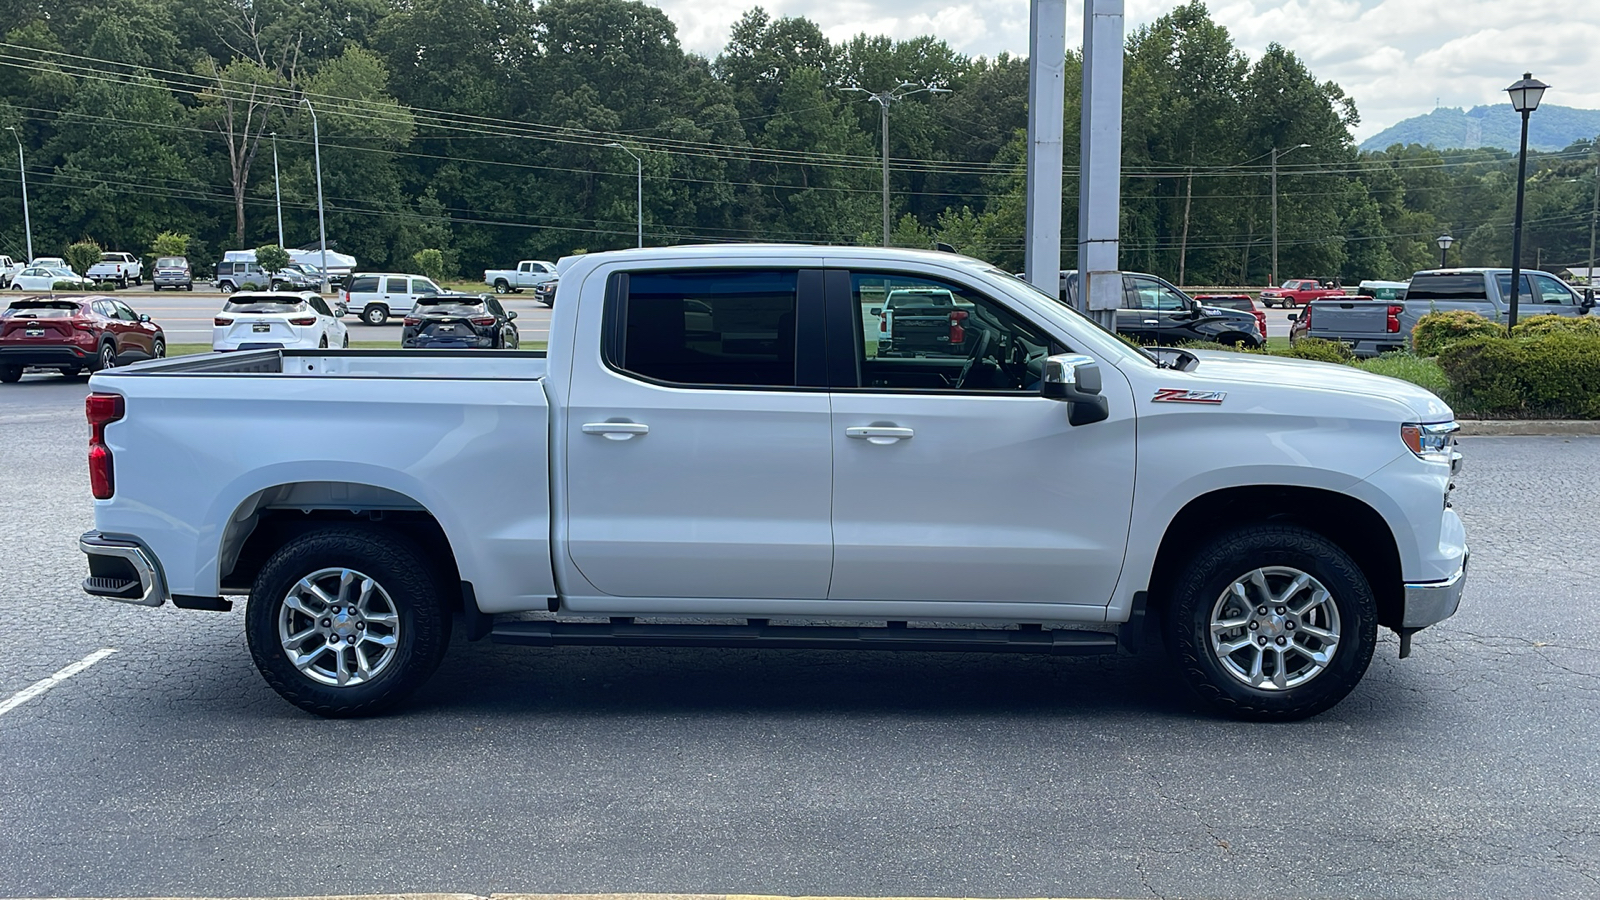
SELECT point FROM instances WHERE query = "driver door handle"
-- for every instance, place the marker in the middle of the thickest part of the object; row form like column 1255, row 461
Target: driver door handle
column 616, row 431
column 879, row 434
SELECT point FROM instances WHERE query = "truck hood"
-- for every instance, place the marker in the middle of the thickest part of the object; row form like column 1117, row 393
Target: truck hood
column 1222, row 366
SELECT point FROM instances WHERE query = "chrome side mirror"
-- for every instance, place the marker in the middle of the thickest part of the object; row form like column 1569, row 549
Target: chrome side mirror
column 1075, row 379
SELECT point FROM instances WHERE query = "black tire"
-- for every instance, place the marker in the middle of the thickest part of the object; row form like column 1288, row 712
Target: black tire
column 375, row 314
column 1281, row 552
column 160, row 346
column 415, row 596
column 10, row 374
column 226, row 287
column 189, row 286
column 323, row 344
column 107, row 359
column 501, row 286
column 346, row 344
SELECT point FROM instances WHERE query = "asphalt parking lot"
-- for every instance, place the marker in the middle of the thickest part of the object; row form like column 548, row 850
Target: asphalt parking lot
column 167, row 768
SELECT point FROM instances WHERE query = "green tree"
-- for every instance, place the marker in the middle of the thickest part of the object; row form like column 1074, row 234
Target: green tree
column 430, row 261
column 170, row 243
column 272, row 258
column 83, row 254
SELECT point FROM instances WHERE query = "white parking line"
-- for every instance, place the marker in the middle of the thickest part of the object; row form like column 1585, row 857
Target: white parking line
column 39, row 687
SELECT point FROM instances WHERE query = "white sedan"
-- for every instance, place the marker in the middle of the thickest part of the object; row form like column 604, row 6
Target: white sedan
column 257, row 320
column 40, row 278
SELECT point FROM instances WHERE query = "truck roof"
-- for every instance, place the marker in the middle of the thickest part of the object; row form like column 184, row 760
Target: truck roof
column 787, row 251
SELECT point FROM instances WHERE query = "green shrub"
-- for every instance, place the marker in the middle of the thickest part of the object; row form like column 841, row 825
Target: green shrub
column 249, row 286
column 1198, row 345
column 1438, row 330
column 66, row 286
column 1549, row 324
column 82, row 255
column 1317, row 349
column 272, row 258
column 1555, row 375
column 431, row 262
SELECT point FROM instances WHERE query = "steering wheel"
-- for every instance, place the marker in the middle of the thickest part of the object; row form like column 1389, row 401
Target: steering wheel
column 979, row 347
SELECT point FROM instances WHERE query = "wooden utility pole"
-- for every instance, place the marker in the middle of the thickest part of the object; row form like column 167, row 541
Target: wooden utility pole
column 1183, row 242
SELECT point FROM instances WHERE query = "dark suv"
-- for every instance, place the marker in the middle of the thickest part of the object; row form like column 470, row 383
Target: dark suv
column 459, row 322
column 1155, row 312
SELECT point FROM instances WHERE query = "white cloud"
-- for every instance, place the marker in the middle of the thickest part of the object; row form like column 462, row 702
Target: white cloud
column 1398, row 58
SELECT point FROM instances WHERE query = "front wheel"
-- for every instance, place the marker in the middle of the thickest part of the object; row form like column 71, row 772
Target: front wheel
column 1272, row 622
column 376, row 314
column 344, row 621
column 1235, row 337
column 160, row 348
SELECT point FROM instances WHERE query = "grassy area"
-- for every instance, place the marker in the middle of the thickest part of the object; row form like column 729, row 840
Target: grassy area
column 1418, row 370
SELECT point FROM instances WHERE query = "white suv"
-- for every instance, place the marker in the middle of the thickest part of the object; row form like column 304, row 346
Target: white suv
column 376, row 296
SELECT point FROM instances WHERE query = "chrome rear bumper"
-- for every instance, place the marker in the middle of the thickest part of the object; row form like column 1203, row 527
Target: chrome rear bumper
column 122, row 569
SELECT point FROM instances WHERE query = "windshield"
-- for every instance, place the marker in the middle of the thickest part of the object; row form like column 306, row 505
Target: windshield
column 42, row 309
column 171, row 262
column 264, row 306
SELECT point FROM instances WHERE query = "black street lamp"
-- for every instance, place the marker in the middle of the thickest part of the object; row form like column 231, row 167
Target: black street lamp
column 1525, row 96
column 1444, row 242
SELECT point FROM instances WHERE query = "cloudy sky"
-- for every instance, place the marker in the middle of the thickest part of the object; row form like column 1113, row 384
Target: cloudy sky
column 1398, row 58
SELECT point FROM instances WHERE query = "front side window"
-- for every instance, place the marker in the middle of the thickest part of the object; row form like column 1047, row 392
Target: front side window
column 423, row 286
column 731, row 328
column 929, row 334
column 1551, row 291
column 1152, row 296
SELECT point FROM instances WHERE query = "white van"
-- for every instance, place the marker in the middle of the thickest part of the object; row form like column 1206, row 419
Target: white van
column 375, row 296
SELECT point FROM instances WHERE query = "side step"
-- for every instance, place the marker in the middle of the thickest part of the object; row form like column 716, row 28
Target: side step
column 756, row 633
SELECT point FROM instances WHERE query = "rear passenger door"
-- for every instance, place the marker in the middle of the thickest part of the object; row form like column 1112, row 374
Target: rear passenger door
column 697, row 442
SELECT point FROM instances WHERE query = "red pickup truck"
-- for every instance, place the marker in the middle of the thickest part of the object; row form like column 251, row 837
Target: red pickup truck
column 1298, row 292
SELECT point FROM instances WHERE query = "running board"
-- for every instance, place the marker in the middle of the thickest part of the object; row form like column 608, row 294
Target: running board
column 623, row 632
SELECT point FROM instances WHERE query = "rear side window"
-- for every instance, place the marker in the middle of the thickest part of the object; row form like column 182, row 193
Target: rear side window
column 320, row 307
column 725, row 328
column 363, row 284
column 450, row 306
column 1449, row 287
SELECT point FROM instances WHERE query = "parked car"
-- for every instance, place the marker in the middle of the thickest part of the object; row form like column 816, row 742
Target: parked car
column 917, row 320
column 74, row 334
column 1382, row 290
column 42, row 278
column 530, row 273
column 1299, row 292
column 1241, row 302
column 459, row 322
column 295, row 277
column 546, row 293
column 1156, row 312
column 258, row 320
column 117, row 267
column 1261, row 516
column 241, row 274
column 50, row 262
column 379, row 295
column 1371, row 327
column 172, row 272
column 9, row 269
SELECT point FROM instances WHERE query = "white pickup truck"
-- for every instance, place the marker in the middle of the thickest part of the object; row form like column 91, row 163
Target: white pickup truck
column 530, row 273
column 713, row 454
column 118, row 267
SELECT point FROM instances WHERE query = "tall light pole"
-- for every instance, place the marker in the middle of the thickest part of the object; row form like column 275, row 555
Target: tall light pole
column 1594, row 216
column 276, row 191
column 1525, row 96
column 1275, row 155
column 639, row 164
column 883, row 99
column 1444, row 241
column 22, row 169
column 322, row 227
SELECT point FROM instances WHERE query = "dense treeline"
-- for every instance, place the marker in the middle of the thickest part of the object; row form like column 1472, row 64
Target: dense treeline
column 488, row 130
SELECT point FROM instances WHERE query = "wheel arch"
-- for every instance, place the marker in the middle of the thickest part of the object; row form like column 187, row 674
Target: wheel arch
column 1348, row 522
column 270, row 517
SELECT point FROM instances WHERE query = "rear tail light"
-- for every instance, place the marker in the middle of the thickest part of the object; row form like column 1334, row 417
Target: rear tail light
column 958, row 335
column 482, row 320
column 1305, row 317
column 83, row 324
column 222, row 320
column 883, row 324
column 1394, row 319
column 102, row 410
column 411, row 320
column 304, row 320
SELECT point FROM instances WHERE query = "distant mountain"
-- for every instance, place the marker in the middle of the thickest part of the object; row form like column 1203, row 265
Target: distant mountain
column 1450, row 128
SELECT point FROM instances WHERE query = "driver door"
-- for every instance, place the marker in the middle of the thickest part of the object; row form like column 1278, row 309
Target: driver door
column 954, row 480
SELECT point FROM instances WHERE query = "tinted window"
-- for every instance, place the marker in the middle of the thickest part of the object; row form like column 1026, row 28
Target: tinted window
column 42, row 309
column 494, row 305
column 125, row 312
column 450, row 306
column 1450, row 287
column 423, row 286
column 364, row 284
column 263, row 305
column 714, row 328
column 1149, row 295
column 1228, row 302
column 319, row 306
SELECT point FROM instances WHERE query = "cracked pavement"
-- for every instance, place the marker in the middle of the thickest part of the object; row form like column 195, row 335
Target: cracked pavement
column 170, row 769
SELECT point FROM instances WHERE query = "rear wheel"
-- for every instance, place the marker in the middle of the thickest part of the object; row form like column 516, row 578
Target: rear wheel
column 345, row 621
column 323, row 344
column 376, row 314
column 501, row 286
column 107, row 358
column 1272, row 622
column 226, row 287
column 10, row 374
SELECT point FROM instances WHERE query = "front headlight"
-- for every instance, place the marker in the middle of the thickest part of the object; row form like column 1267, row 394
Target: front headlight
column 1432, row 442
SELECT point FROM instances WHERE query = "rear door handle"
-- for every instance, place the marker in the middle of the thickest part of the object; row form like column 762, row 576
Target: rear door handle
column 878, row 434
column 616, row 431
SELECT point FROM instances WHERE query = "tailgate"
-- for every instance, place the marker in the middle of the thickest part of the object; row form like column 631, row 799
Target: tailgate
column 1336, row 319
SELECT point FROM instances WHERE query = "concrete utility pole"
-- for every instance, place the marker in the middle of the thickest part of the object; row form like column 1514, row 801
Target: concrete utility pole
column 22, row 169
column 883, row 99
column 322, row 227
column 1047, row 54
column 639, row 166
column 277, row 192
column 1100, row 179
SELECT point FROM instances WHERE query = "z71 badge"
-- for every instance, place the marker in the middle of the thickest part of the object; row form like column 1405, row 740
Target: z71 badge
column 1179, row 395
